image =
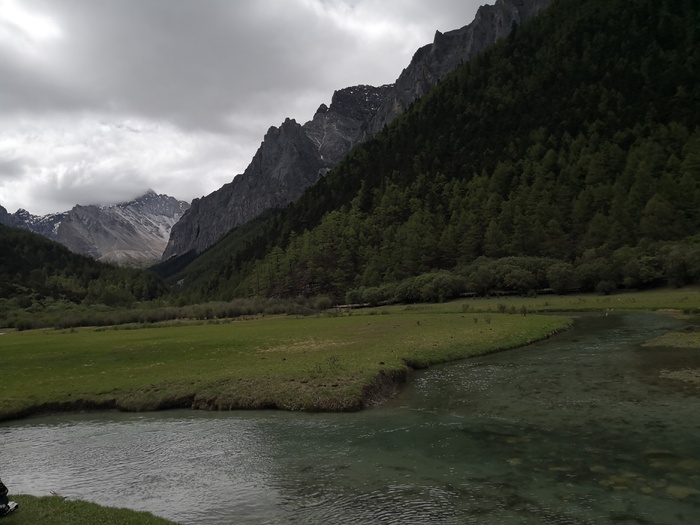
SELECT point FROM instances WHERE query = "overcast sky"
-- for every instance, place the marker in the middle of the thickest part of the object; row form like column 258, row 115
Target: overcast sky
column 101, row 100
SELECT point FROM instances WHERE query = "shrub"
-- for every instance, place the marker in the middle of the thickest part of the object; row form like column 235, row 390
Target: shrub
column 354, row 296
column 560, row 277
column 430, row 287
column 322, row 302
column 605, row 287
column 24, row 324
column 379, row 294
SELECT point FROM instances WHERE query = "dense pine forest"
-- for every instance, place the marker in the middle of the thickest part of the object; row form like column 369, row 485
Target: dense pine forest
column 566, row 157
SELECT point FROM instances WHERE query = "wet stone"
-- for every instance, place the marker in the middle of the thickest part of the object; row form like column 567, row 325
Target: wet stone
column 689, row 464
column 657, row 453
column 560, row 469
column 619, row 481
column 679, row 492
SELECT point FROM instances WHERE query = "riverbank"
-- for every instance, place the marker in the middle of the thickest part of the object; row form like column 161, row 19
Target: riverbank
column 339, row 361
column 687, row 340
column 516, row 422
column 324, row 363
column 55, row 510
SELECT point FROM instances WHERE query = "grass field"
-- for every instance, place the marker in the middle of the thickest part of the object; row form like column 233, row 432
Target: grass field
column 328, row 362
column 54, row 510
column 307, row 363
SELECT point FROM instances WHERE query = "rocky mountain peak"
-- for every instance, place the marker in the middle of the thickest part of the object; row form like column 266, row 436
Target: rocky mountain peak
column 358, row 102
column 292, row 157
column 129, row 233
column 432, row 62
column 154, row 204
column 6, row 219
column 23, row 214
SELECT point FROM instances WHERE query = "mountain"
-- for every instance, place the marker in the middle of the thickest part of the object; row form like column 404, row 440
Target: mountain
column 5, row 218
column 433, row 62
column 130, row 233
column 565, row 156
column 293, row 157
column 46, row 225
column 290, row 159
column 43, row 225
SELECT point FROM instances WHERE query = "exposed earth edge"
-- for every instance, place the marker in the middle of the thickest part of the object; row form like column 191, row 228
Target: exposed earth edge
column 380, row 388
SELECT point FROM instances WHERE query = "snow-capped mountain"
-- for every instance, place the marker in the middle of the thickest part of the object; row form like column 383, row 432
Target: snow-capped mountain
column 128, row 234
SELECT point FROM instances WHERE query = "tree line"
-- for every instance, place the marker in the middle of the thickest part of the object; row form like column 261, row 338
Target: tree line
column 35, row 270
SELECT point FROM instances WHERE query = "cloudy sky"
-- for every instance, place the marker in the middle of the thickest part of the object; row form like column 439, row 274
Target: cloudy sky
column 101, row 100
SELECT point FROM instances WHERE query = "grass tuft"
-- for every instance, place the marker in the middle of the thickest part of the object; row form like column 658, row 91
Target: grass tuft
column 54, row 510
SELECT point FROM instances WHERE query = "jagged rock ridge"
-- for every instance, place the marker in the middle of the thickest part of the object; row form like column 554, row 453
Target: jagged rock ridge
column 5, row 218
column 432, row 62
column 46, row 225
column 290, row 159
column 293, row 157
column 130, row 233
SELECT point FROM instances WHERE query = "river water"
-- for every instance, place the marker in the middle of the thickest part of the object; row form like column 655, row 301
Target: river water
column 580, row 429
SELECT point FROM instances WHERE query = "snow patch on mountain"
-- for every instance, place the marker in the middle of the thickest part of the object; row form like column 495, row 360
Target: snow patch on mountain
column 133, row 233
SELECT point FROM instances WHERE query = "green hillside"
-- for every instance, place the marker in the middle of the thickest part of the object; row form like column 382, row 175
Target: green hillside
column 566, row 157
column 37, row 274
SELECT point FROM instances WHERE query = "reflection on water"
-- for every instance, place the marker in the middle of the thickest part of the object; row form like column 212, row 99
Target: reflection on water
column 577, row 430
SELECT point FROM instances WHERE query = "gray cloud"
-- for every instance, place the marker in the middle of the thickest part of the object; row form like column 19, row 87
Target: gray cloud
column 11, row 169
column 92, row 84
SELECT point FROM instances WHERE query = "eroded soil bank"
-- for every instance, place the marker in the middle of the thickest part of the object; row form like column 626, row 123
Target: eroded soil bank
column 328, row 380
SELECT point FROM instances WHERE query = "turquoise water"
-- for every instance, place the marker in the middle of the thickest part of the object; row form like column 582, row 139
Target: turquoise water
column 581, row 429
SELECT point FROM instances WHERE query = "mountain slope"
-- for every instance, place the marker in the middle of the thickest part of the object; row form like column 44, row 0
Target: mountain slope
column 572, row 144
column 290, row 159
column 5, row 218
column 293, row 157
column 130, row 233
column 435, row 61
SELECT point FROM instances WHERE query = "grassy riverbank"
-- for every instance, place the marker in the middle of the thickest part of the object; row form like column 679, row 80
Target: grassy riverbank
column 54, row 510
column 308, row 363
column 338, row 361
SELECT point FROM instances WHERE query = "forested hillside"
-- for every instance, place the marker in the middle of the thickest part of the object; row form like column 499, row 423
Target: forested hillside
column 35, row 271
column 565, row 157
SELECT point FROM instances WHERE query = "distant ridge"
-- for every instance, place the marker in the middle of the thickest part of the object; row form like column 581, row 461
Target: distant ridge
column 132, row 233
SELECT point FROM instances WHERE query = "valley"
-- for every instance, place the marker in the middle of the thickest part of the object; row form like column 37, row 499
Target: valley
column 469, row 296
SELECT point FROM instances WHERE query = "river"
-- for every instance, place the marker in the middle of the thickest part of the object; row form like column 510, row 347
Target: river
column 580, row 429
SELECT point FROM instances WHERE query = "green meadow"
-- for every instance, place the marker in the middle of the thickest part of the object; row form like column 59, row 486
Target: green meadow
column 329, row 362
column 337, row 361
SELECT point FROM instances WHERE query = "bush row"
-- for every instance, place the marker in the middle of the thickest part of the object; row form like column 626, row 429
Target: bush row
column 670, row 264
column 70, row 316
